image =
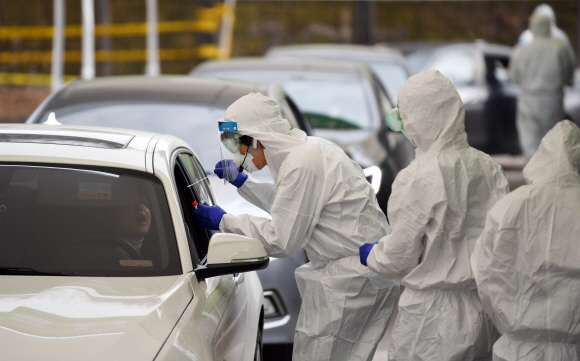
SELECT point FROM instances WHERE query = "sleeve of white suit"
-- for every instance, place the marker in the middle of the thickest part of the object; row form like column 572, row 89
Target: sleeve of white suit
column 410, row 209
column 513, row 67
column 568, row 64
column 293, row 212
column 482, row 259
column 260, row 194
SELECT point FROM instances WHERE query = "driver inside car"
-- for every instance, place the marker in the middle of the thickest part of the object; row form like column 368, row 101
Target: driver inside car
column 131, row 223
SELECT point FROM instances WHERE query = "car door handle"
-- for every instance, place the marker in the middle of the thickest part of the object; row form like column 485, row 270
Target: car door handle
column 239, row 278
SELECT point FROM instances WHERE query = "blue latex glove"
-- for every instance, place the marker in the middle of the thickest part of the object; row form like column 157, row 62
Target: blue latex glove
column 208, row 216
column 364, row 251
column 232, row 169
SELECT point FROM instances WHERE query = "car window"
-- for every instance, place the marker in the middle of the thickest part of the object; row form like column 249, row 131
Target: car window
column 384, row 102
column 328, row 100
column 391, row 75
column 198, row 177
column 86, row 221
column 457, row 65
column 286, row 113
column 198, row 237
column 194, row 123
column 496, row 70
column 300, row 118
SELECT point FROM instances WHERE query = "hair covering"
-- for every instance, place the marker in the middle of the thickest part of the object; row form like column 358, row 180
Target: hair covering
column 546, row 11
column 436, row 119
column 526, row 260
column 557, row 160
column 258, row 116
column 540, row 26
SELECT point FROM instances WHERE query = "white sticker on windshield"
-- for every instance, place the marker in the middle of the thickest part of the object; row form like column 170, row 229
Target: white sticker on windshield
column 92, row 190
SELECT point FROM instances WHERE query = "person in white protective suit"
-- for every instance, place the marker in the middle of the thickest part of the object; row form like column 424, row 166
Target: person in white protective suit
column 526, row 260
column 541, row 69
column 437, row 211
column 320, row 201
column 545, row 10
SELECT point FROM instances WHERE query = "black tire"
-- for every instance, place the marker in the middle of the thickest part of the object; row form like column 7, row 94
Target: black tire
column 259, row 353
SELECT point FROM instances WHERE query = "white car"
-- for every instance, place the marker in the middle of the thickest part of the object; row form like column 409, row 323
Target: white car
column 100, row 258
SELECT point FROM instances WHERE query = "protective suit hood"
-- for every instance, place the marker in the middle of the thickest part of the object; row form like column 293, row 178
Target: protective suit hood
column 557, row 160
column 540, row 26
column 258, row 116
column 432, row 113
column 546, row 11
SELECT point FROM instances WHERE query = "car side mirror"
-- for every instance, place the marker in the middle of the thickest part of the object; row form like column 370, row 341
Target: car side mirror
column 231, row 253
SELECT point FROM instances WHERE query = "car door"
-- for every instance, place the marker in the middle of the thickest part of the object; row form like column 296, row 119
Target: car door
column 228, row 293
column 500, row 108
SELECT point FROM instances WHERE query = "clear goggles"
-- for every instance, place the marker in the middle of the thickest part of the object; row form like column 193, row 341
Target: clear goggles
column 394, row 120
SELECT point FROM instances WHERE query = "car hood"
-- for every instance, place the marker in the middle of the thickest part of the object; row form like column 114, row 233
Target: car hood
column 89, row 318
column 361, row 145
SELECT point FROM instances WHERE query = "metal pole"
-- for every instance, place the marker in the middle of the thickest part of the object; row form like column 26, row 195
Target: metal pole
column 227, row 30
column 88, row 61
column 57, row 65
column 153, row 68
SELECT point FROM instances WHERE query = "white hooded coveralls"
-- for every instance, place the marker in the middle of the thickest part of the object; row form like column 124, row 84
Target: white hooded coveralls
column 526, row 261
column 545, row 10
column 541, row 69
column 322, row 202
column 437, row 211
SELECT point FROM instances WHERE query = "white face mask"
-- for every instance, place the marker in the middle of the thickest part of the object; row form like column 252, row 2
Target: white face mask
column 248, row 164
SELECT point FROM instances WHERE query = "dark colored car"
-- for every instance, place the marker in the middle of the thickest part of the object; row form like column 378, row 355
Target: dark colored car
column 189, row 108
column 388, row 64
column 344, row 102
column 479, row 72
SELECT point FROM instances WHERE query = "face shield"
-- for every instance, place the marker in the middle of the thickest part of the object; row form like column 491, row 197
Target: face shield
column 230, row 141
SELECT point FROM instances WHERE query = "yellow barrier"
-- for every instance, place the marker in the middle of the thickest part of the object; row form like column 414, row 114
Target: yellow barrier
column 22, row 79
column 115, row 30
column 209, row 51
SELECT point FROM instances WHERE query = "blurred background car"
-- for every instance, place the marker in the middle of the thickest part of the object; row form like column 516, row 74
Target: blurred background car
column 189, row 107
column 388, row 64
column 344, row 102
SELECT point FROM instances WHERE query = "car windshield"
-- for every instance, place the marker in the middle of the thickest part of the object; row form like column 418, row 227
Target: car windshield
column 328, row 100
column 194, row 123
column 417, row 59
column 84, row 221
column 392, row 76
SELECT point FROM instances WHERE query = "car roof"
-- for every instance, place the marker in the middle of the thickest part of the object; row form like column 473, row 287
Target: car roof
column 164, row 88
column 339, row 51
column 298, row 64
column 78, row 145
column 482, row 45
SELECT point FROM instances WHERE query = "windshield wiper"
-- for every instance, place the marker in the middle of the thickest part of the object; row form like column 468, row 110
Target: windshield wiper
column 32, row 272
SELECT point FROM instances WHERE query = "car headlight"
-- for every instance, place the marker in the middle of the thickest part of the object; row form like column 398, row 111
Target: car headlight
column 374, row 176
column 272, row 305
